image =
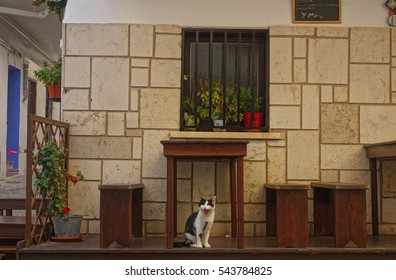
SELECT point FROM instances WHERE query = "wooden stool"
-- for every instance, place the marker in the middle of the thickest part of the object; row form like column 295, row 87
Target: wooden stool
column 340, row 210
column 287, row 214
column 121, row 210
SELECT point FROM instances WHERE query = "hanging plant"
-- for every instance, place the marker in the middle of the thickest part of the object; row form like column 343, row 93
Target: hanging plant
column 56, row 6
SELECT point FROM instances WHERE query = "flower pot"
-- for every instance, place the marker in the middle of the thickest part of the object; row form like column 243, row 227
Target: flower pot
column 68, row 226
column 252, row 122
column 54, row 92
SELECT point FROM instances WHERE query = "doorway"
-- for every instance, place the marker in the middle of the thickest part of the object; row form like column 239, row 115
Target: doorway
column 13, row 117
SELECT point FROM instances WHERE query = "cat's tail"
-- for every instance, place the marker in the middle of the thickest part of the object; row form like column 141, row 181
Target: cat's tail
column 185, row 243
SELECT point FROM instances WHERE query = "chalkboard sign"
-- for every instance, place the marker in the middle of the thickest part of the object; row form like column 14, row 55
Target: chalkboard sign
column 316, row 11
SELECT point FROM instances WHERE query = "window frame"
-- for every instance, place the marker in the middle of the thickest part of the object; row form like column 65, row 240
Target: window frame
column 239, row 36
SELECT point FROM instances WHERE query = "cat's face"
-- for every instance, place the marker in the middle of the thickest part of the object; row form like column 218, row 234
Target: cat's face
column 207, row 206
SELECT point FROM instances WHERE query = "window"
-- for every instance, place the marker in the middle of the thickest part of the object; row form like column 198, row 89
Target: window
column 225, row 80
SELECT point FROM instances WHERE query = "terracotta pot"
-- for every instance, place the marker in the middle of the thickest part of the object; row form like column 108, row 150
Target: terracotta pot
column 54, row 92
column 252, row 122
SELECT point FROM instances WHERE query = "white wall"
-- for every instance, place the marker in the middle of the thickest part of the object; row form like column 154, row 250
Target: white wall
column 230, row 13
column 3, row 109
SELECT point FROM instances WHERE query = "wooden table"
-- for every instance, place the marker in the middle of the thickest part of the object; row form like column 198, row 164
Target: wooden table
column 340, row 210
column 287, row 214
column 203, row 149
column 374, row 152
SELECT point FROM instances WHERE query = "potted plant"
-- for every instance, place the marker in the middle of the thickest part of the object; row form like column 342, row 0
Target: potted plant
column 50, row 75
column 51, row 184
column 56, row 6
column 252, row 117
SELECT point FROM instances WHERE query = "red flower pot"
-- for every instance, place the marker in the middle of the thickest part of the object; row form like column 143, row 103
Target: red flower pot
column 54, row 92
column 252, row 122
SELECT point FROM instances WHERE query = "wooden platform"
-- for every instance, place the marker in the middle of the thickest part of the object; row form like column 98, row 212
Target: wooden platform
column 154, row 248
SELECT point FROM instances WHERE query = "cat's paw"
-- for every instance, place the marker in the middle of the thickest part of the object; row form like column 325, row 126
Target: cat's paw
column 207, row 246
column 193, row 245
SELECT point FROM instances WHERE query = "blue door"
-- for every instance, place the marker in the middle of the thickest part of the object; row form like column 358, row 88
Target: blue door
column 13, row 109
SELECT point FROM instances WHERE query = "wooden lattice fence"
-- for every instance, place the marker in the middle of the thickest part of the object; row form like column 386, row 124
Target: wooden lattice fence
column 40, row 130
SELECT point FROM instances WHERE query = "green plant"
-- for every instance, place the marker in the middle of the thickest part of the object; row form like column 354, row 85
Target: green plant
column 247, row 102
column 57, row 7
column 220, row 100
column 50, row 74
column 52, row 180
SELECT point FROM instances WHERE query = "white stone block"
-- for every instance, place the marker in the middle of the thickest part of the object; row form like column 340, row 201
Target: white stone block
column 110, row 84
column 91, row 169
column 75, row 99
column 285, row 117
column 168, row 46
column 343, row 157
column 165, row 73
column 300, row 47
column 154, row 190
column 77, row 72
column 326, row 94
column 159, row 108
column 370, row 44
column 310, row 107
column 115, row 123
column 377, row 124
column 303, row 155
column 140, row 77
column 142, row 40
column 328, row 61
column 281, row 60
column 96, row 39
column 285, row 94
column 137, row 146
column 121, row 171
column 154, row 163
column 369, row 83
column 86, row 123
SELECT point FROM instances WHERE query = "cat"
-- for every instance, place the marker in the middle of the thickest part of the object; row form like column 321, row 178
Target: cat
column 199, row 224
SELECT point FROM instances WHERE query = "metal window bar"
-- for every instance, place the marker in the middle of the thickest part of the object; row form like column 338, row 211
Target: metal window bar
column 206, row 38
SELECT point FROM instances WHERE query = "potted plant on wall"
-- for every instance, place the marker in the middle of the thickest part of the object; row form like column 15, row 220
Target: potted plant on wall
column 51, row 75
column 56, row 6
column 252, row 117
column 51, row 184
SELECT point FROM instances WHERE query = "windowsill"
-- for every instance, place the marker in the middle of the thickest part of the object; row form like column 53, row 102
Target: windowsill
column 227, row 135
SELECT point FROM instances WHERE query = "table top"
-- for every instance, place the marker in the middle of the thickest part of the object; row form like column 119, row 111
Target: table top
column 120, row 186
column 204, row 148
column 381, row 150
column 287, row 186
column 339, row 186
column 203, row 141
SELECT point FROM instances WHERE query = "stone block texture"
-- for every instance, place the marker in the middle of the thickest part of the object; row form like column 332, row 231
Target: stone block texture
column 331, row 90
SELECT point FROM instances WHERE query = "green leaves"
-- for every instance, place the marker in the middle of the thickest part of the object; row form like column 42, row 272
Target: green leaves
column 51, row 181
column 50, row 73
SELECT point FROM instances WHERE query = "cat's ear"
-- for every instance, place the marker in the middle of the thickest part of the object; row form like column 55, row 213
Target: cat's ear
column 214, row 200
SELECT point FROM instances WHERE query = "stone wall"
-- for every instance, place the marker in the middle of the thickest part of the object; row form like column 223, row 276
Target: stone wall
column 330, row 93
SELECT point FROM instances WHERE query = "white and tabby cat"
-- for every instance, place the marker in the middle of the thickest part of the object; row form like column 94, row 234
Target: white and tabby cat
column 199, row 224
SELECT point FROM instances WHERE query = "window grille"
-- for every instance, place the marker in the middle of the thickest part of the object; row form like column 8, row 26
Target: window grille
column 225, row 80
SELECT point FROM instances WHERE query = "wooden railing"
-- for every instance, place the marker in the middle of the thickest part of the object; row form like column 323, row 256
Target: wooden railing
column 39, row 131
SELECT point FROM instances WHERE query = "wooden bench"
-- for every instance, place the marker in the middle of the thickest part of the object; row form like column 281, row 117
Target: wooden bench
column 11, row 227
column 121, row 213
column 340, row 210
column 287, row 214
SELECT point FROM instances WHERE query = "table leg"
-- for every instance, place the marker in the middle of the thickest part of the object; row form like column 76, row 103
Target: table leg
column 323, row 212
column 374, row 196
column 270, row 196
column 170, row 213
column 233, row 198
column 240, row 201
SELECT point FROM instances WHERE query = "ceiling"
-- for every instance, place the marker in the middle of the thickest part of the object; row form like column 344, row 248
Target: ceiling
column 43, row 35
